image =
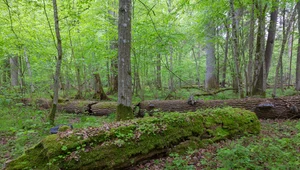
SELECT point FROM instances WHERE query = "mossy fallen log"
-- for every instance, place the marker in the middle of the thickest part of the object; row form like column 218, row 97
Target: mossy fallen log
column 265, row 108
column 122, row 144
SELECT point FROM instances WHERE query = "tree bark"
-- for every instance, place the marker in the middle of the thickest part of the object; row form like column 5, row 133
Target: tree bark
column 99, row 92
column 124, row 110
column 258, row 87
column 210, row 75
column 14, row 71
column 197, row 67
column 249, row 84
column 223, row 83
column 291, row 46
column 58, row 65
column 235, row 40
column 298, row 52
column 158, row 72
column 271, row 37
column 29, row 71
column 280, row 108
column 284, row 40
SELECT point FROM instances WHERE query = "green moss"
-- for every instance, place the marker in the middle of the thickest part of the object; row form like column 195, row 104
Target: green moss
column 124, row 112
column 127, row 142
column 64, row 128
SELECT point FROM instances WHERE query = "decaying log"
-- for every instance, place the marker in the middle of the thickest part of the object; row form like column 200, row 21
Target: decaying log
column 211, row 93
column 279, row 108
column 122, row 144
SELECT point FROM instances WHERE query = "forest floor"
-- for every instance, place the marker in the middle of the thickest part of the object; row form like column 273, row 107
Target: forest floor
column 278, row 145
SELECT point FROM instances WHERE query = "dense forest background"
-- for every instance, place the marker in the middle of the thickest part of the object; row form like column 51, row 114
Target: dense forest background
column 175, row 43
column 55, row 52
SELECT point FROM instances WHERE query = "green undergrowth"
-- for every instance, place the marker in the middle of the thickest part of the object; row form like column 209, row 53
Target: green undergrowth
column 21, row 127
column 276, row 147
column 123, row 143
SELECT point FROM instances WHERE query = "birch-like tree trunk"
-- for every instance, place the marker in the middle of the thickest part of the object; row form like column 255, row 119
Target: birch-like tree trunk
column 124, row 110
column 58, row 64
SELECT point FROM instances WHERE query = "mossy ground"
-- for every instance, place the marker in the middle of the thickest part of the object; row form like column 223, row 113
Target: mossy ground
column 122, row 143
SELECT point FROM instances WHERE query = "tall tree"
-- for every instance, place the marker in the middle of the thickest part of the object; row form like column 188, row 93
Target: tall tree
column 14, row 71
column 259, row 60
column 251, row 45
column 58, row 64
column 298, row 52
column 283, row 43
column 210, row 75
column 260, row 86
column 235, row 39
column 124, row 110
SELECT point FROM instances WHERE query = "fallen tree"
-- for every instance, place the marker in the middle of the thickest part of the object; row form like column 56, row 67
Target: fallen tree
column 277, row 108
column 122, row 144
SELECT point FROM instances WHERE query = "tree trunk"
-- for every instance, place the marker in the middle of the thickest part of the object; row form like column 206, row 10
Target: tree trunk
column 114, row 76
column 79, row 84
column 249, row 84
column 291, row 45
column 223, row 84
column 271, row 38
column 235, row 40
column 197, row 67
column 259, row 83
column 14, row 71
column 113, row 88
column 158, row 72
column 99, row 92
column 284, row 40
column 124, row 110
column 210, row 75
column 29, row 71
column 298, row 52
column 58, row 65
